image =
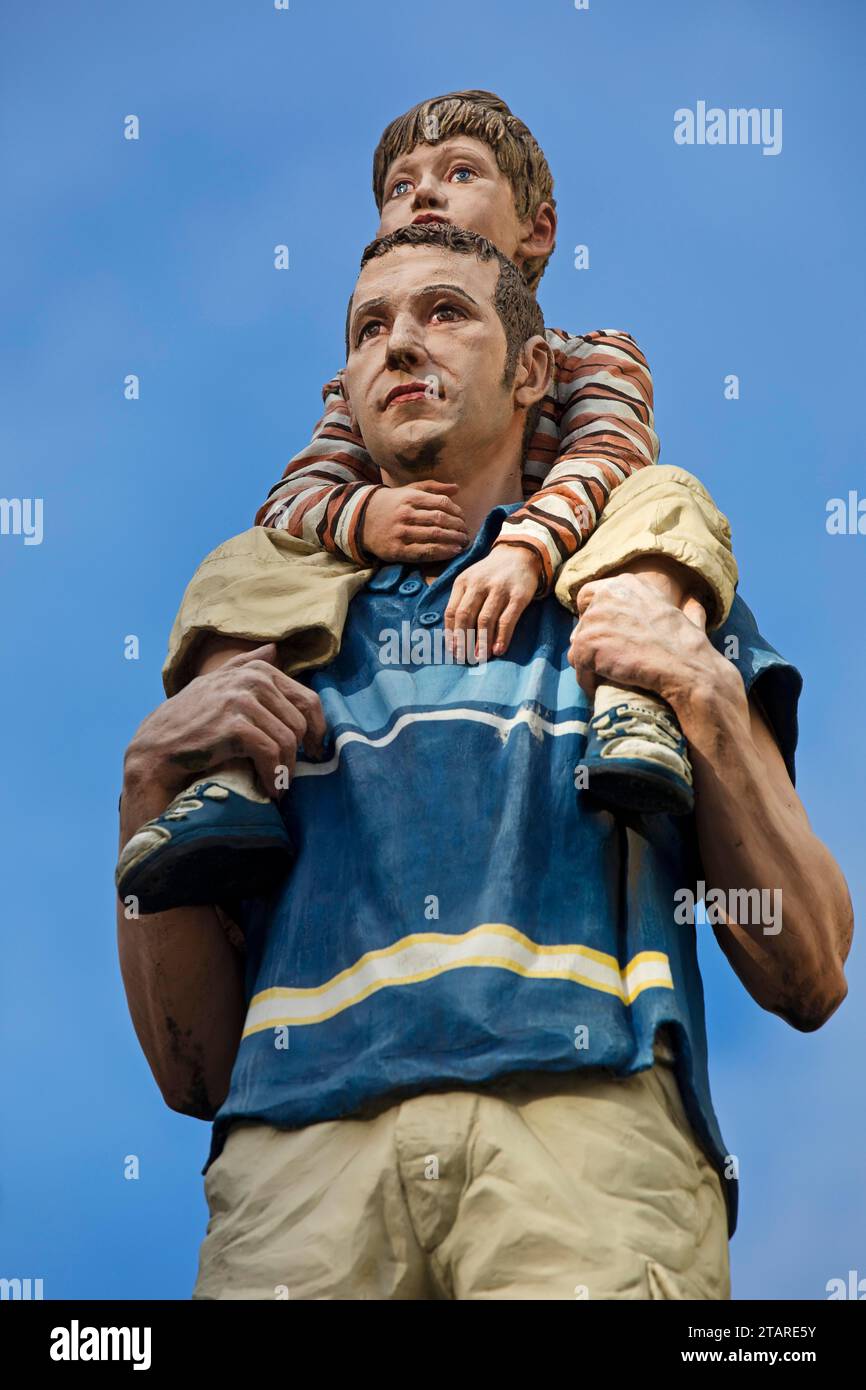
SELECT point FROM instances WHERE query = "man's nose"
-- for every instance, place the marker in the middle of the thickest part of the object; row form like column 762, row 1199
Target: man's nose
column 405, row 345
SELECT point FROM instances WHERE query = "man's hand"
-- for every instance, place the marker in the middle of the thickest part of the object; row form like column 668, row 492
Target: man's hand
column 489, row 597
column 420, row 521
column 246, row 708
column 631, row 635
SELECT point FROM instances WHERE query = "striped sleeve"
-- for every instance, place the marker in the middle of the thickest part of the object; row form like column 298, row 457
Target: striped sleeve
column 602, row 418
column 323, row 493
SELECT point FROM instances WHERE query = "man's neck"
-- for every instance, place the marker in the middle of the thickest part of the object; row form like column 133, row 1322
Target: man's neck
column 491, row 482
column 478, row 494
column 477, row 498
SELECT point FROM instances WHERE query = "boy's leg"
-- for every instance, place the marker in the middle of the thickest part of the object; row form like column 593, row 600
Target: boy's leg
column 213, row 653
column 665, row 513
column 224, row 838
column 219, row 840
column 663, row 525
column 631, row 727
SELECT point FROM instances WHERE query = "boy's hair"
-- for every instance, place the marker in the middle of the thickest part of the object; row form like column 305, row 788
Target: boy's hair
column 488, row 118
column 513, row 300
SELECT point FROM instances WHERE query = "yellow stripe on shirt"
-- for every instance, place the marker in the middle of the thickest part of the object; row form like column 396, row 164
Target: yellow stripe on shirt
column 425, row 955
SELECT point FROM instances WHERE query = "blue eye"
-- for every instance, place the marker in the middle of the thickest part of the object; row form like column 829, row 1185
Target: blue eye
column 400, row 184
column 464, row 169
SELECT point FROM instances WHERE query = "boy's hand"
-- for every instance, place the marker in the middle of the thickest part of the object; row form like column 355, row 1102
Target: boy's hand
column 420, row 521
column 489, row 597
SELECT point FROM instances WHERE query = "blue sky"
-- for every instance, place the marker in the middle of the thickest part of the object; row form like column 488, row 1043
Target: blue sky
column 156, row 257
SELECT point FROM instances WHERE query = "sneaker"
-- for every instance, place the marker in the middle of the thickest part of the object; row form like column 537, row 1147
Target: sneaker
column 636, row 755
column 210, row 845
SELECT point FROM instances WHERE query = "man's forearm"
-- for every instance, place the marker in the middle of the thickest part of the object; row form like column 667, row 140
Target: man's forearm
column 754, row 834
column 183, row 981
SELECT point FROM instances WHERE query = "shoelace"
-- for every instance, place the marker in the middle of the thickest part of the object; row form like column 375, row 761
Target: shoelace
column 186, row 802
column 648, row 723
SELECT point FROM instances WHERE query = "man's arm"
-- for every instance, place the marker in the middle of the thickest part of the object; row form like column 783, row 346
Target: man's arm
column 183, row 977
column 754, row 833
column 752, row 827
column 183, row 980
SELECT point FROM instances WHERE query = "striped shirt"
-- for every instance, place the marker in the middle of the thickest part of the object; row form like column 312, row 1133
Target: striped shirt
column 594, row 430
column 459, row 908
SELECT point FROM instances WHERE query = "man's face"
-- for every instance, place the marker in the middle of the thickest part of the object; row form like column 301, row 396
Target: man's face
column 426, row 361
column 458, row 181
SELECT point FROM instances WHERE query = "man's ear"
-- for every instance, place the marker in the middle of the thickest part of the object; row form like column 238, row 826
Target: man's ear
column 534, row 371
column 538, row 233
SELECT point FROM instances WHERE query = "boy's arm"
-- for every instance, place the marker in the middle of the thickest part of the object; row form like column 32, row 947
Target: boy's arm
column 332, row 496
column 326, row 488
column 604, row 400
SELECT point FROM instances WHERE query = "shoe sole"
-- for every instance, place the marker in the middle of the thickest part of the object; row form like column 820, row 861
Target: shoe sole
column 635, row 790
column 227, row 868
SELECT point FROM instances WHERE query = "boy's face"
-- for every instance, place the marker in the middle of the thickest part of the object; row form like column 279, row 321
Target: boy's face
column 423, row 320
column 456, row 181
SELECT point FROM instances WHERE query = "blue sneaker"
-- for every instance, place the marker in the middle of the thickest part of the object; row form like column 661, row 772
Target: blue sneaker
column 210, row 845
column 636, row 756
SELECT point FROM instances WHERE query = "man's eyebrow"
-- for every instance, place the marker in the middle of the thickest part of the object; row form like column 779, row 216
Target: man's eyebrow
column 370, row 305
column 445, row 289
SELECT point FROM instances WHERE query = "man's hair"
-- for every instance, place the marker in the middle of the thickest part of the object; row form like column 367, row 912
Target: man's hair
column 513, row 300
column 488, row 118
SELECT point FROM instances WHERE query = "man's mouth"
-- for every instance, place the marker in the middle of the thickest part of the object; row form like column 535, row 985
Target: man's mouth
column 409, row 391
column 430, row 217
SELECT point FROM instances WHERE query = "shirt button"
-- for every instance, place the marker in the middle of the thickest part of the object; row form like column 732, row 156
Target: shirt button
column 429, row 618
column 410, row 586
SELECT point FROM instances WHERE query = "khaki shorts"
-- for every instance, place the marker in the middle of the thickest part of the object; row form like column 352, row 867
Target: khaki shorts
column 538, row 1186
column 661, row 510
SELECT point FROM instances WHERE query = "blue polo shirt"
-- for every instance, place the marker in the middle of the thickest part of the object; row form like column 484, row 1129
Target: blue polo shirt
column 458, row 907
